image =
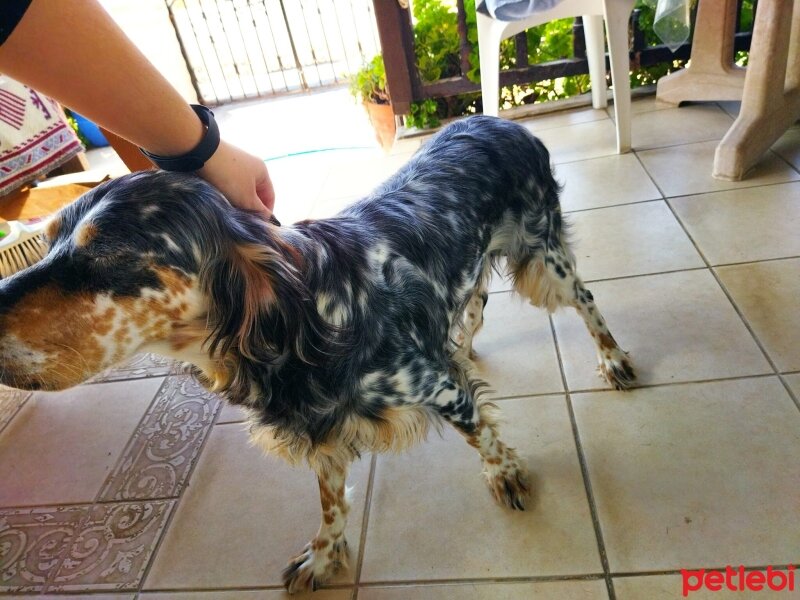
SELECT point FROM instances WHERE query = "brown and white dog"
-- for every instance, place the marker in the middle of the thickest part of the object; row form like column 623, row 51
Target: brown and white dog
column 340, row 336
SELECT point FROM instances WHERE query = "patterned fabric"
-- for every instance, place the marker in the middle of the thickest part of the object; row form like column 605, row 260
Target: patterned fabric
column 34, row 135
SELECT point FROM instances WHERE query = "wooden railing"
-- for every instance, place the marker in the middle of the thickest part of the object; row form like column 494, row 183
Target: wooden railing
column 405, row 86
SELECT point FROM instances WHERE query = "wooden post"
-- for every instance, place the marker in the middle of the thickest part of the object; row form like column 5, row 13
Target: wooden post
column 397, row 44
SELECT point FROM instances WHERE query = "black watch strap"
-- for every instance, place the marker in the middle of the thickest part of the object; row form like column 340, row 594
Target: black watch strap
column 196, row 158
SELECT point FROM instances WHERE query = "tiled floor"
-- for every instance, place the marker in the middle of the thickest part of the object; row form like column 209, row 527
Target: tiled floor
column 141, row 485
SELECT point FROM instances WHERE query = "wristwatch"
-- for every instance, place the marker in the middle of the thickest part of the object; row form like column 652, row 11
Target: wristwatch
column 197, row 157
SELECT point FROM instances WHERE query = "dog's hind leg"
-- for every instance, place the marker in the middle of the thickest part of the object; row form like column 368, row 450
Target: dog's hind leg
column 327, row 552
column 476, row 420
column 548, row 279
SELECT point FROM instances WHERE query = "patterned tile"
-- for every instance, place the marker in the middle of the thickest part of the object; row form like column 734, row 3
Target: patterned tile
column 141, row 365
column 32, row 543
column 10, row 402
column 161, row 452
column 112, row 547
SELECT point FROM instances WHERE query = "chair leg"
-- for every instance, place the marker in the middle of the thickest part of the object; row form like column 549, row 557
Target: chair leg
column 489, row 37
column 596, row 55
column 617, row 14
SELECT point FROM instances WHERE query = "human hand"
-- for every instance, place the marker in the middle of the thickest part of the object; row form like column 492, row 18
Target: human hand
column 241, row 177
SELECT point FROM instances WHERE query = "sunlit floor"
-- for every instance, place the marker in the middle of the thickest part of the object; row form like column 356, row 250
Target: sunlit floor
column 140, row 485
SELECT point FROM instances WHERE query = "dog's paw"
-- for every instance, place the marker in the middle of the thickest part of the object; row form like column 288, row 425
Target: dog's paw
column 508, row 481
column 318, row 562
column 618, row 370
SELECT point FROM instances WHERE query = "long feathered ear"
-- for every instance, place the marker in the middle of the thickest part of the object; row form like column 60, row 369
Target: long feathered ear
column 259, row 306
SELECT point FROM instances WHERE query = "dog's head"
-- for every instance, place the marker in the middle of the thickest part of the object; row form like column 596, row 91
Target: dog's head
column 152, row 261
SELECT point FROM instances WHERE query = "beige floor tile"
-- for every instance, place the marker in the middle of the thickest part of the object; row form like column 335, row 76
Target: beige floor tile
column 249, row 595
column 693, row 475
column 606, row 181
column 243, row 516
column 676, row 326
column 682, row 170
column 630, row 240
column 231, row 414
column 670, row 587
column 767, row 294
column 732, row 107
column 642, row 105
column 551, row 590
column 744, row 225
column 10, row 402
column 578, row 142
column 788, row 146
column 794, row 382
column 358, row 177
column 433, row 497
column 297, row 181
column 514, row 351
column 684, row 125
column 60, row 447
column 564, row 118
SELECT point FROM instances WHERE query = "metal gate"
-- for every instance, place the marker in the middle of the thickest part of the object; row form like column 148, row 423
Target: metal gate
column 238, row 49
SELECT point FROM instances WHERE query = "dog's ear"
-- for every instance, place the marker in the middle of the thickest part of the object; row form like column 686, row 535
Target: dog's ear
column 260, row 308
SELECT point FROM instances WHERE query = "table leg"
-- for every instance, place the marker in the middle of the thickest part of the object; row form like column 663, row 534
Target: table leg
column 771, row 99
column 712, row 74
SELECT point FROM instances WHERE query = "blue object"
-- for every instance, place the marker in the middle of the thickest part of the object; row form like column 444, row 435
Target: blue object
column 90, row 131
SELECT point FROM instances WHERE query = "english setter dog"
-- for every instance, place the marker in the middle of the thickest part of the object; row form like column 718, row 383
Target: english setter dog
column 339, row 336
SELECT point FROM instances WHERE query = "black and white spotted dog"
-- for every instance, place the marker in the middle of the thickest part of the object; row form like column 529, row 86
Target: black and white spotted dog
column 340, row 336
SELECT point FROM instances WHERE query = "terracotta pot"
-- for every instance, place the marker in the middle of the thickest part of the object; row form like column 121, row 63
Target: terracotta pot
column 382, row 119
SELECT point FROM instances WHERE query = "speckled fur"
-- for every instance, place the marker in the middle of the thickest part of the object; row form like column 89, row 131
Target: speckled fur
column 340, row 336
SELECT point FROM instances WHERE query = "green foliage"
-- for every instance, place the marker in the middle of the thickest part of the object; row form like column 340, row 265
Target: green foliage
column 74, row 126
column 437, row 48
column 369, row 83
column 424, row 114
column 436, row 40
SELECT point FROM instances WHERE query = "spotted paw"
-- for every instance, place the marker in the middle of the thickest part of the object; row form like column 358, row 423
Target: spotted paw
column 318, row 562
column 618, row 371
column 509, row 486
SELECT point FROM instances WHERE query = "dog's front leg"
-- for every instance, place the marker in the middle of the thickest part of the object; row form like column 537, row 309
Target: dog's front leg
column 327, row 552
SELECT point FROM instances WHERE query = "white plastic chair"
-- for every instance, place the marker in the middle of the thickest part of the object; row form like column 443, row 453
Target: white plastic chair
column 616, row 14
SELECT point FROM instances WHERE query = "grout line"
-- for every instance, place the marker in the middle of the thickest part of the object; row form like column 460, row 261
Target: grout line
column 592, row 208
column 736, row 308
column 364, row 523
column 780, row 157
column 713, row 568
column 754, row 262
column 598, row 531
column 26, row 396
column 482, row 581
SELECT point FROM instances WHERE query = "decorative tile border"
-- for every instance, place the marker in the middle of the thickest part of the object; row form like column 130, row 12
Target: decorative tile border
column 32, row 544
column 10, row 402
column 140, row 366
column 162, row 450
column 112, row 547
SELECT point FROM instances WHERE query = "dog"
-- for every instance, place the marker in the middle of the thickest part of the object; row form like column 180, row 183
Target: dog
column 338, row 336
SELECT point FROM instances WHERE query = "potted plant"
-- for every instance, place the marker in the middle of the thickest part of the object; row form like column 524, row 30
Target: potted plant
column 368, row 86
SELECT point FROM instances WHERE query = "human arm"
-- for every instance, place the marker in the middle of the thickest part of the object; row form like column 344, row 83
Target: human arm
column 73, row 51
